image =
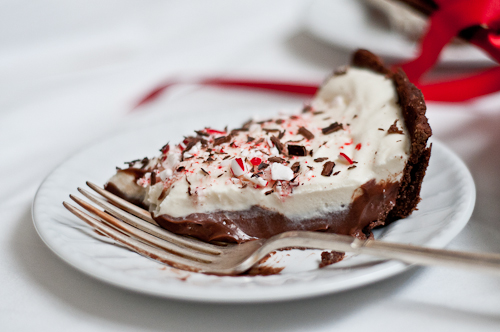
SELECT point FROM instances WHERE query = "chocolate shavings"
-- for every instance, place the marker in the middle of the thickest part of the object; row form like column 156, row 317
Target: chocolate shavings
column 247, row 124
column 296, row 167
column 201, row 133
column 319, row 160
column 191, row 141
column 222, row 139
column 204, row 172
column 331, row 128
column 306, row 133
column 276, row 159
column 297, row 150
column 328, row 168
column 260, row 140
column 278, row 144
column 267, row 130
column 269, row 192
column 262, row 165
column 165, row 148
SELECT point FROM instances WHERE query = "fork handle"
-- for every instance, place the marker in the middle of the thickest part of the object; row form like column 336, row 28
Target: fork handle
column 430, row 256
column 489, row 262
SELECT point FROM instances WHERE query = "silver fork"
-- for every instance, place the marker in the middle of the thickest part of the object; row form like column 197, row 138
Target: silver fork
column 134, row 228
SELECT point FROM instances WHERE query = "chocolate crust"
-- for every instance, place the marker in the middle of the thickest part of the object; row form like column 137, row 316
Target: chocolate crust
column 413, row 106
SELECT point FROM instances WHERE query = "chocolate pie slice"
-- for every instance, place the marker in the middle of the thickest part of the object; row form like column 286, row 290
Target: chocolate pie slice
column 352, row 160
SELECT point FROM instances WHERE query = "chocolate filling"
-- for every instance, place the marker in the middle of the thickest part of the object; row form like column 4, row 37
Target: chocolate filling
column 371, row 205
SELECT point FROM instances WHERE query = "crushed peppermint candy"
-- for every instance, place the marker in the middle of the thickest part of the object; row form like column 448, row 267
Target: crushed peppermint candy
column 346, row 158
column 238, row 167
column 281, row 172
column 255, row 161
column 213, row 131
column 166, row 174
column 255, row 179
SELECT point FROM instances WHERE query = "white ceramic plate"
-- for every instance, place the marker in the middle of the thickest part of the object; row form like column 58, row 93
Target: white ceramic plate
column 448, row 198
column 346, row 24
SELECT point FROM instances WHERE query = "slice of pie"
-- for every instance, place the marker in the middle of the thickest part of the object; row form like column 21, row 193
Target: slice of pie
column 352, row 160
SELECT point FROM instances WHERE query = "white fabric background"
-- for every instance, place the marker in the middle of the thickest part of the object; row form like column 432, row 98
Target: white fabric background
column 71, row 71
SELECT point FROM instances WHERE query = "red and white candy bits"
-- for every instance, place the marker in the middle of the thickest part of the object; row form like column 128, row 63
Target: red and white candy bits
column 281, row 172
column 238, row 167
column 346, row 158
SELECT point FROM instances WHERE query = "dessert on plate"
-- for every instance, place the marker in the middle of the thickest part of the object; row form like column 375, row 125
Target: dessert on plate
column 351, row 160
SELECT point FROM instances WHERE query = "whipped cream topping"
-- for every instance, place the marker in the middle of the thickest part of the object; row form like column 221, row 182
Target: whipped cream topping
column 303, row 166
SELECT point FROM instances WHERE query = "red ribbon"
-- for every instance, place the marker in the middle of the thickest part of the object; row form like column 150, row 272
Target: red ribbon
column 451, row 18
column 285, row 87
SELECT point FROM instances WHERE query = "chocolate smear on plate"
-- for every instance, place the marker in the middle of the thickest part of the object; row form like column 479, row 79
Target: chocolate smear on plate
column 330, row 257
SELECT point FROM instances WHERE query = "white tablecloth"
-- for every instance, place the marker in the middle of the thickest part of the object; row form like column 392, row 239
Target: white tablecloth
column 71, row 71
